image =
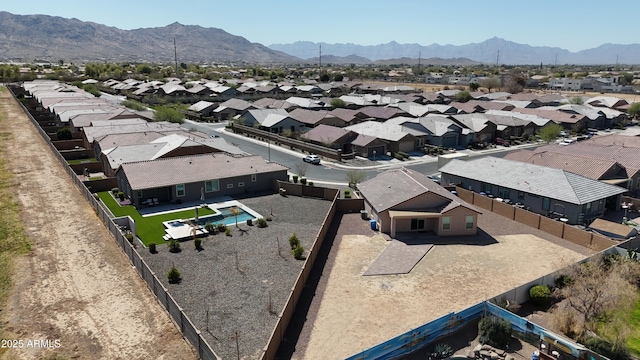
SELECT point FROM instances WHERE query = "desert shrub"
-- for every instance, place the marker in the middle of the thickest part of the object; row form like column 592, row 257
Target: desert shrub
column 347, row 193
column 115, row 191
column 540, row 295
column 310, row 183
column 262, row 223
column 403, row 154
column 129, row 237
column 211, row 229
column 249, row 222
column 174, row 246
column 441, row 351
column 604, row 347
column 268, row 218
column 297, row 252
column 222, row 227
column 303, row 181
column 494, row 331
column 198, row 243
column 398, row 156
column 152, row 248
column 120, row 195
column 563, row 280
column 64, row 134
column 173, row 275
column 227, row 231
column 294, row 241
column 295, row 179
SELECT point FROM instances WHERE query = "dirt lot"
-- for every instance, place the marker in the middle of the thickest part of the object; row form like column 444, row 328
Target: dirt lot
column 76, row 286
column 356, row 312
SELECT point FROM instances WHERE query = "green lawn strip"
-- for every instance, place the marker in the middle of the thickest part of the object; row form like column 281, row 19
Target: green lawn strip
column 633, row 320
column 82, row 161
column 149, row 228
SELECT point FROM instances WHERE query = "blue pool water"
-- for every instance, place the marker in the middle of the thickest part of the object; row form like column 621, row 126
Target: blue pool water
column 225, row 217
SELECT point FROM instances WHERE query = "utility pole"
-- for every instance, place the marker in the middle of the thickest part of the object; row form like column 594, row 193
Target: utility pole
column 175, row 52
column 320, row 56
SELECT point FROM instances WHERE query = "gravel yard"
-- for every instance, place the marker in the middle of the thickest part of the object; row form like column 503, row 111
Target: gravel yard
column 242, row 280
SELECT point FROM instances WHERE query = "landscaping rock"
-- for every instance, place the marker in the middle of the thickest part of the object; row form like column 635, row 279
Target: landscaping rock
column 509, row 357
column 487, row 347
column 500, row 352
column 485, row 353
column 494, row 355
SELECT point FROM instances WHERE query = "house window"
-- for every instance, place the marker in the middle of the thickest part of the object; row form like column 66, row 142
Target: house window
column 139, row 194
column 211, row 185
column 486, row 188
column 503, row 193
column 446, row 223
column 546, row 203
column 240, row 184
column 254, row 177
column 468, row 222
column 520, row 195
column 229, row 186
column 417, row 224
column 180, row 190
column 586, row 208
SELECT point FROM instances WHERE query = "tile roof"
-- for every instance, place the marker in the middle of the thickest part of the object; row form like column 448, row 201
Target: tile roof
column 190, row 169
column 596, row 169
column 326, row 133
column 311, row 117
column 556, row 116
column 534, row 179
column 394, row 187
column 363, row 140
column 268, row 117
column 389, row 132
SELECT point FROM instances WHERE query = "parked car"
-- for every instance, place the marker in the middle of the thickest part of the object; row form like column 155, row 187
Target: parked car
column 312, row 159
column 501, row 141
column 564, row 133
column 435, row 177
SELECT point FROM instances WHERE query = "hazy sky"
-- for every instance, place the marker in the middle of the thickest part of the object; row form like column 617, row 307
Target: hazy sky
column 570, row 24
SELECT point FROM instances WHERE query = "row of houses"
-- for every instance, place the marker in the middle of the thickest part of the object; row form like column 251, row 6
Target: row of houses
column 155, row 160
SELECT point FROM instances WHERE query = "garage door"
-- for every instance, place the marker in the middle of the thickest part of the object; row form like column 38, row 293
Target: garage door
column 407, row 146
column 378, row 149
column 450, row 141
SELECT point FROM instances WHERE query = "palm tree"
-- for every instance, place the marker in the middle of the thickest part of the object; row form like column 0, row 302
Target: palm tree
column 235, row 212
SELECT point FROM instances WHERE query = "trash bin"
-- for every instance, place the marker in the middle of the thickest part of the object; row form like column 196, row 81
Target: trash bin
column 364, row 215
column 372, row 223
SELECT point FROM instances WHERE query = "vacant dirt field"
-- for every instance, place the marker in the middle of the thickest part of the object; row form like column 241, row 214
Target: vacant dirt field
column 76, row 286
column 357, row 312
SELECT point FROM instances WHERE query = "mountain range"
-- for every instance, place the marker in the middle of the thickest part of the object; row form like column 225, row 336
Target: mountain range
column 491, row 51
column 26, row 38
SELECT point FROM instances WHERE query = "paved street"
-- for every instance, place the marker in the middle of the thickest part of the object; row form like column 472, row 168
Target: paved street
column 329, row 171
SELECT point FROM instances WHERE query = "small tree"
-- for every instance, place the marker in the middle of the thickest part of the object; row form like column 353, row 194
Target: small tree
column 576, row 100
column 262, row 223
column 490, row 83
column 174, row 246
column 550, row 132
column 167, row 113
column 198, row 243
column 235, row 212
column 294, row 241
column 474, row 86
column 355, row 177
column 338, row 103
column 152, row 248
column 64, row 134
column 540, row 295
column 634, row 110
column 174, row 275
column 494, row 331
column 301, row 168
column 463, row 96
column 297, row 252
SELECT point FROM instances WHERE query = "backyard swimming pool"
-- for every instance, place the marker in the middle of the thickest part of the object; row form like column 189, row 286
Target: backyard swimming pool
column 225, row 217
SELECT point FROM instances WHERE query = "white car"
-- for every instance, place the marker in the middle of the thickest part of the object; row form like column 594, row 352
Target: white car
column 313, row 159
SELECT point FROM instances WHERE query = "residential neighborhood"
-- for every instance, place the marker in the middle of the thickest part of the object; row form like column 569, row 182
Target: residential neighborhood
column 168, row 182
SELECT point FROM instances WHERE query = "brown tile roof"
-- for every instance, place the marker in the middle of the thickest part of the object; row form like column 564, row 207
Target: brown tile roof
column 394, row 187
column 311, row 117
column 615, row 139
column 596, row 169
column 347, row 115
column 556, row 116
column 326, row 134
column 190, row 169
column 379, row 112
column 136, row 138
column 364, row 140
column 625, row 156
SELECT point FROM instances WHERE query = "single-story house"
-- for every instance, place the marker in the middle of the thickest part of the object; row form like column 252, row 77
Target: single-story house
column 403, row 200
column 330, row 136
column 397, row 137
column 547, row 191
column 273, row 120
column 369, row 146
column 190, row 177
column 312, row 118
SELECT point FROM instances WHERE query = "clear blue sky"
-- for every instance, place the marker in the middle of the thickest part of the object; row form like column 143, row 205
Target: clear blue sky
column 570, row 24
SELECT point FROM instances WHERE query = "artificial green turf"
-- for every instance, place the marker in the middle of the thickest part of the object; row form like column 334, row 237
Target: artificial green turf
column 633, row 320
column 149, row 228
column 82, row 161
